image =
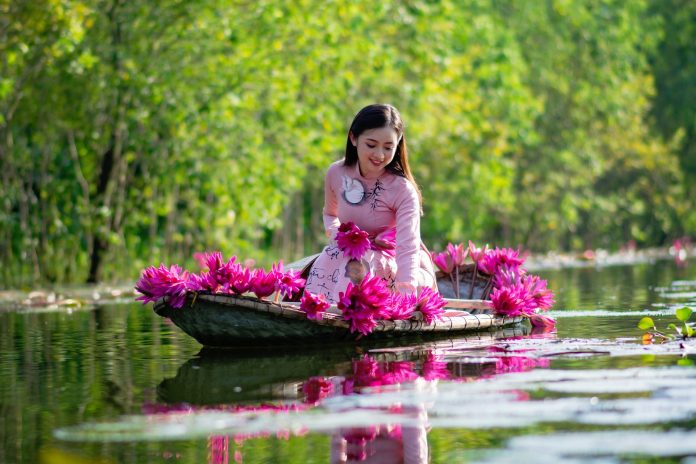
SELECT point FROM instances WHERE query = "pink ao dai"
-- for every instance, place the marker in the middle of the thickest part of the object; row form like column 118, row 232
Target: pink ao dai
column 376, row 206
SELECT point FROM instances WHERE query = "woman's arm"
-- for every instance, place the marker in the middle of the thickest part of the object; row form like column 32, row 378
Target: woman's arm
column 330, row 211
column 407, row 238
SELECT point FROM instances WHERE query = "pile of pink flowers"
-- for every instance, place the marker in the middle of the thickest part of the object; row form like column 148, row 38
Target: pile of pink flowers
column 514, row 291
column 217, row 276
column 364, row 304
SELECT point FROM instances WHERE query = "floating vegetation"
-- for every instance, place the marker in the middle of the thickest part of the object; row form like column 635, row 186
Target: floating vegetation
column 682, row 330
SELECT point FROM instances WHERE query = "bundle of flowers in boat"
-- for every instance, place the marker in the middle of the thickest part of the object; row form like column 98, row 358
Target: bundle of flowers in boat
column 218, row 276
column 498, row 274
column 361, row 305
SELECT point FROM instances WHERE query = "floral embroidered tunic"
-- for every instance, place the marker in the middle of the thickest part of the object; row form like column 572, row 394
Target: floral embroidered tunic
column 377, row 206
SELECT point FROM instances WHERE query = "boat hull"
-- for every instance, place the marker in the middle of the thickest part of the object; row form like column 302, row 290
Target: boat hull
column 217, row 320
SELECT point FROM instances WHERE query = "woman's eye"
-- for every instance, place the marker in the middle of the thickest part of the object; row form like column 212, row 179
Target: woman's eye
column 370, row 146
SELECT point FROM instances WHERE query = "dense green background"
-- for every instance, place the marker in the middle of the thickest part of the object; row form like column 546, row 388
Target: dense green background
column 135, row 132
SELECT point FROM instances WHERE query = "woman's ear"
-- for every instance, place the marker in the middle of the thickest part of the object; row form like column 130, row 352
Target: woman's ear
column 353, row 140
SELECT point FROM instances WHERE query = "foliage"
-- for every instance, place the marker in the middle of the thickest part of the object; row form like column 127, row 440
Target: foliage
column 683, row 329
column 133, row 133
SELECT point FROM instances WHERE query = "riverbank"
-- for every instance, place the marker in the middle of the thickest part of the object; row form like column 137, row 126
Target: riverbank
column 604, row 258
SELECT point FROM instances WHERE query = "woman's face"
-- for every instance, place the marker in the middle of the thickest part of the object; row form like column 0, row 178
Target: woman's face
column 376, row 149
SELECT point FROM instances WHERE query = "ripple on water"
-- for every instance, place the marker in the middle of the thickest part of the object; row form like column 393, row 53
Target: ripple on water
column 503, row 401
column 595, row 447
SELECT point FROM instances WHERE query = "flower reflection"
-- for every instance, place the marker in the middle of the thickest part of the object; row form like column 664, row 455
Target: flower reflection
column 401, row 439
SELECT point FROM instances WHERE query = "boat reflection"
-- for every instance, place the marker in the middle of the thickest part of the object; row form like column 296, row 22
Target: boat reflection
column 288, row 382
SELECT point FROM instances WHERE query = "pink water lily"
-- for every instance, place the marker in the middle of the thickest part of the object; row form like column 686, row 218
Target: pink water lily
column 219, row 271
column 443, row 261
column 289, row 282
column 430, row 304
column 458, row 253
column 263, row 283
column 385, row 242
column 361, row 305
column 512, row 301
column 507, row 276
column 497, row 257
column 537, row 289
column 314, row 305
column 402, row 306
column 352, row 241
column 158, row 282
column 477, row 254
column 240, row 281
column 202, row 282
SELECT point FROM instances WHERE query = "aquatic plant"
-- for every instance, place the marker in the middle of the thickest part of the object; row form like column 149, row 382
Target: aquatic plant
column 443, row 261
column 221, row 273
column 402, row 306
column 289, row 282
column 263, row 283
column 476, row 254
column 385, row 242
column 458, row 253
column 492, row 260
column 240, row 280
column 538, row 290
column 683, row 329
column 430, row 304
column 217, row 276
column 541, row 321
column 158, row 282
column 512, row 301
column 352, row 241
column 363, row 304
column 313, row 305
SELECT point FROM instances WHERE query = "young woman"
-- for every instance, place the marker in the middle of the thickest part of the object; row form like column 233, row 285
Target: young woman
column 373, row 188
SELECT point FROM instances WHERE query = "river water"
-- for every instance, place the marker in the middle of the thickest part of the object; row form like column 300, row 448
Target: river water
column 116, row 383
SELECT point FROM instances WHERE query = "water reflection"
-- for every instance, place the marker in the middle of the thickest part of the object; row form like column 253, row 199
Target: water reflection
column 252, row 386
column 88, row 368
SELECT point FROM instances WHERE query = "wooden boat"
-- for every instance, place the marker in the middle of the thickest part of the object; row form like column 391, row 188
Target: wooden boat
column 224, row 320
column 230, row 320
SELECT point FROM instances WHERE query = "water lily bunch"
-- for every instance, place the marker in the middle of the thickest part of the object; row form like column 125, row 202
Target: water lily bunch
column 449, row 262
column 314, row 305
column 352, row 241
column 365, row 303
column 217, row 276
column 514, row 292
column 159, row 282
column 517, row 293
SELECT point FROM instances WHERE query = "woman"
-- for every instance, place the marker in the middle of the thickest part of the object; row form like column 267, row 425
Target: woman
column 373, row 188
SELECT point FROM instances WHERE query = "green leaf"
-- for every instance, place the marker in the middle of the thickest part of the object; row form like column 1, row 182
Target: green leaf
column 683, row 314
column 685, row 362
column 646, row 323
column 689, row 330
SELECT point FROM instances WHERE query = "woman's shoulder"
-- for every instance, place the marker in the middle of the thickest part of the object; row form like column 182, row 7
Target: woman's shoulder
column 402, row 184
column 336, row 168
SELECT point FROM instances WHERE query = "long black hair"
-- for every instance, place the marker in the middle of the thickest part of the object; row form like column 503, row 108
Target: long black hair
column 374, row 117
